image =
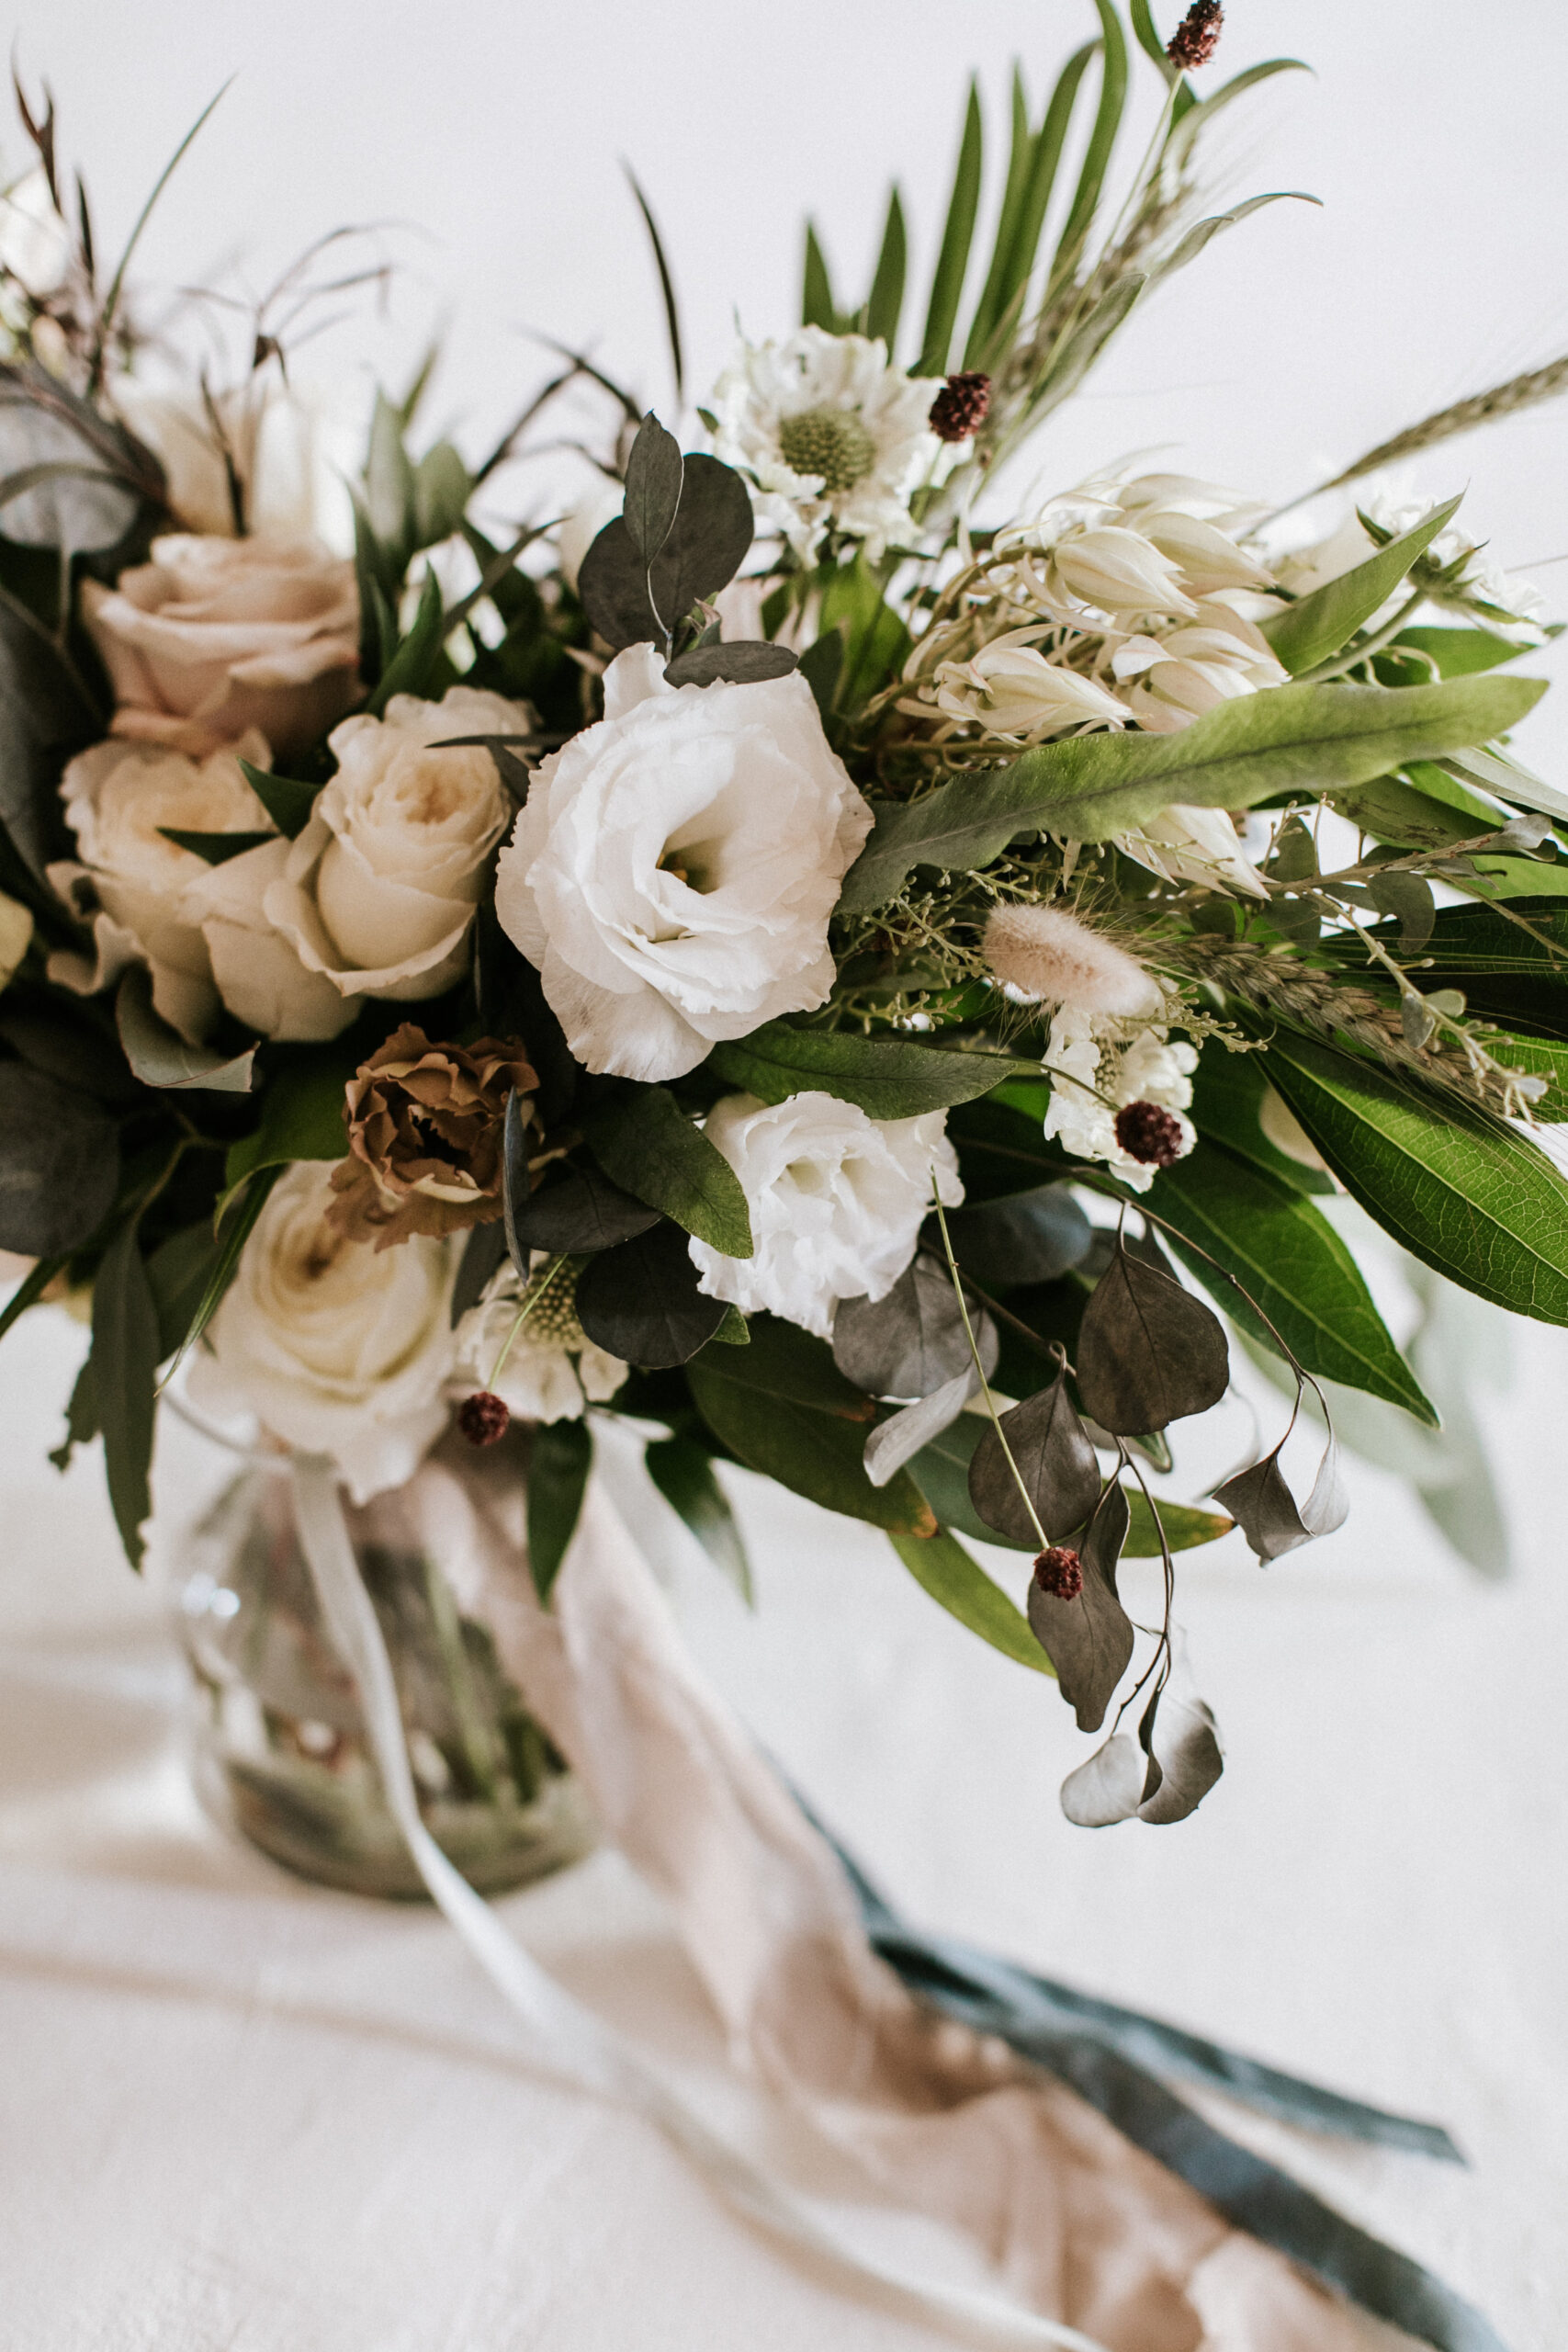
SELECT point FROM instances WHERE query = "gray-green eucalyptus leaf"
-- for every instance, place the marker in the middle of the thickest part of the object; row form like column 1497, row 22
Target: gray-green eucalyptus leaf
column 1052, row 1452
column 1108, row 1787
column 912, row 1340
column 1149, row 1353
column 1088, row 1640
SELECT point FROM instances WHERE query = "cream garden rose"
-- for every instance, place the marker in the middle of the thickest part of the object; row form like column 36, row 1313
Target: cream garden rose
column 837, row 1200
column 334, row 1351
column 378, row 894
column 672, row 873
column 215, row 636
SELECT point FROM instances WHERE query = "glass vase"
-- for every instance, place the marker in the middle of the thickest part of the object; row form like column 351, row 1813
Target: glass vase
column 281, row 1750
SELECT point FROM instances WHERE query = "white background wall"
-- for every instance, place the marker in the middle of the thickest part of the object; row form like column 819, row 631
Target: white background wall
column 1374, row 1891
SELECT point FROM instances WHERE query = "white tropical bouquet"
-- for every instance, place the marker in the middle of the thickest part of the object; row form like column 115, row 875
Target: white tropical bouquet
column 845, row 976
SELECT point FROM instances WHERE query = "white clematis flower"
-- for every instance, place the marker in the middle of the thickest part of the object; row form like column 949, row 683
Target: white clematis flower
column 673, row 869
column 831, row 435
column 1010, row 690
column 1171, row 678
column 836, row 1198
column 1190, row 845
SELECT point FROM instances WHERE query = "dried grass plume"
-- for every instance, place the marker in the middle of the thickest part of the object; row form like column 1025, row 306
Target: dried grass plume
column 1051, row 958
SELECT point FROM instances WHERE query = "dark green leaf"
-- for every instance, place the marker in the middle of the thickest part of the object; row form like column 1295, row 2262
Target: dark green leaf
column 642, row 1138
column 1306, row 738
column 941, row 1565
column 178, row 1273
column 885, row 305
column 1051, row 1455
column 1044, row 161
column 782, row 1408
column 1462, row 1192
column 389, row 482
column 286, row 803
column 560, row 1454
column 654, row 474
column 160, row 1056
column 483, row 1254
column 302, row 1113
column 992, row 303
column 1030, row 1236
column 1292, row 1266
column 740, row 662
column 29, row 1290
column 682, row 1472
column 889, row 1077
column 577, row 1213
column 712, row 533
column 81, row 1417
column 952, row 260
column 46, row 715
column 1408, row 895
column 641, row 1302
column 1316, row 627
column 64, row 1040
column 1228, row 1099
column 217, row 849
column 1149, row 1353
column 1088, row 1640
column 413, row 666
column 821, row 665
column 441, row 493
column 59, row 1164
column 875, row 638
column 912, row 1340
column 125, row 1370
column 236, row 1225
column 666, row 285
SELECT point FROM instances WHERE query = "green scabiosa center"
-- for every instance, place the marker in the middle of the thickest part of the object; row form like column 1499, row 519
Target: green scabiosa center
column 552, row 1310
column 830, row 441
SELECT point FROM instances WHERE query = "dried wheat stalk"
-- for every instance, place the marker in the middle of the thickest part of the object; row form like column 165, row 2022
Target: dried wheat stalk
column 1481, row 407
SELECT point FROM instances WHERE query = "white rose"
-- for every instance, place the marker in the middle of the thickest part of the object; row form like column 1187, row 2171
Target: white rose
column 378, row 894
column 256, row 968
column 837, row 1201
column 334, row 1349
column 218, row 634
column 552, row 1370
column 673, row 869
column 117, row 799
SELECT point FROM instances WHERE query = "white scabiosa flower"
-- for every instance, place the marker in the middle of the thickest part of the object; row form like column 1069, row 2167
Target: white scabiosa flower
column 552, row 1371
column 832, row 435
column 836, row 1198
column 1097, row 1081
column 1045, row 956
column 1014, row 695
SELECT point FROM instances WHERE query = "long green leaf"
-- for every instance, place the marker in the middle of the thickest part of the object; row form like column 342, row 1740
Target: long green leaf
column 1020, row 157
column 1299, row 738
column 1148, row 38
column 665, row 286
column 1291, row 1264
column 302, row 1113
column 1202, row 232
column 1464, row 1193
column 941, row 1566
column 125, row 1370
column 560, row 1454
column 236, row 1225
column 287, row 802
column 886, row 306
column 1045, row 164
column 413, row 666
column 682, row 1472
column 1197, row 118
column 889, row 1077
column 1319, row 624
column 1102, row 141
column 952, row 260
column 29, row 1290
column 644, row 1141
column 817, row 306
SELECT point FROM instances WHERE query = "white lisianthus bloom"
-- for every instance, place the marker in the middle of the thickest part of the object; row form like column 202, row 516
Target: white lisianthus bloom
column 334, row 1351
column 378, row 892
column 1170, row 680
column 1016, row 695
column 552, row 1371
column 1095, row 1076
column 130, row 881
column 831, row 435
column 1190, row 845
column 215, row 636
column 673, row 869
column 836, row 1198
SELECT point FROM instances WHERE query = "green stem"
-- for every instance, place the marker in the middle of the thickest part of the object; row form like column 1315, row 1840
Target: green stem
column 980, row 1371
column 546, row 1279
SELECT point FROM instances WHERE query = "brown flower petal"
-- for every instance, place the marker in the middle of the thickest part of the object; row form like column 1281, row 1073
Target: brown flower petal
column 425, row 1133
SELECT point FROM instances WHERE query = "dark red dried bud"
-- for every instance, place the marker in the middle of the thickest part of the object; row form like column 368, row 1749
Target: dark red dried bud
column 1145, row 1132
column 483, row 1419
column 1059, row 1572
column 1197, row 37
column 961, row 407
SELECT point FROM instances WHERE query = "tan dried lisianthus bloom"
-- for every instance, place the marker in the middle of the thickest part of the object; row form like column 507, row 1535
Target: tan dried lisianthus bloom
column 424, row 1131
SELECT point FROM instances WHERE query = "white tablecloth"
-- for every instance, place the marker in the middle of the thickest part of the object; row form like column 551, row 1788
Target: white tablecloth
column 242, row 2115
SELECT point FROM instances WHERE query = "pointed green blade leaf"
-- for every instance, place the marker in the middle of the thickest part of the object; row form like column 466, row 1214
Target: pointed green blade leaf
column 886, row 306
column 643, row 1140
column 941, row 1566
column 1318, row 626
column 952, row 260
column 890, row 1078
